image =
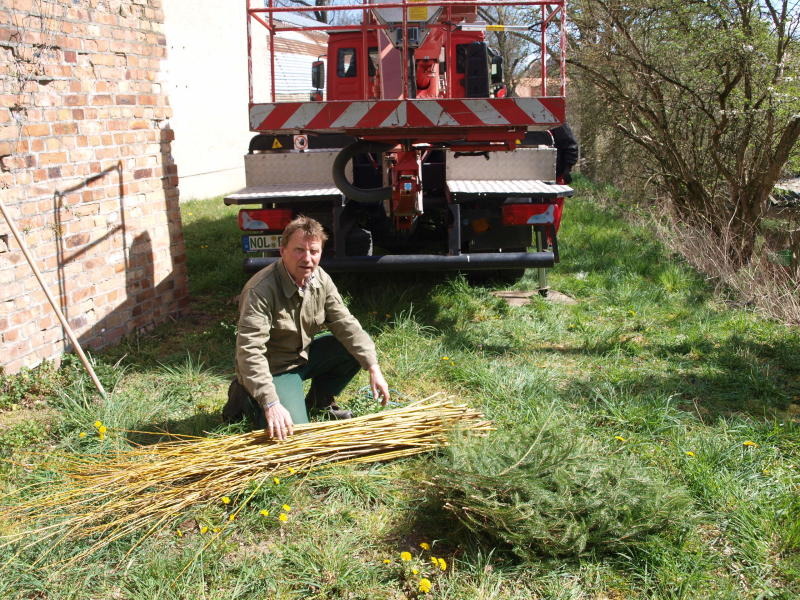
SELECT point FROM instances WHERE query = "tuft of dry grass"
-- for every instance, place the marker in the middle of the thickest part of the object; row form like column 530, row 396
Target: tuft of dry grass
column 139, row 491
column 762, row 284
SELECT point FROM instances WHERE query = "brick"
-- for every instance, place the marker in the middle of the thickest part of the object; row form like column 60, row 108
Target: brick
column 36, row 130
column 75, row 100
column 77, row 240
column 65, row 128
column 49, row 158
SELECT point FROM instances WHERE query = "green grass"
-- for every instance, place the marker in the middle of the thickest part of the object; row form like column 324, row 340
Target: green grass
column 637, row 401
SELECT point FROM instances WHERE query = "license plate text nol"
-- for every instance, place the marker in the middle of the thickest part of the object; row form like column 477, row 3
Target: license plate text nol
column 257, row 243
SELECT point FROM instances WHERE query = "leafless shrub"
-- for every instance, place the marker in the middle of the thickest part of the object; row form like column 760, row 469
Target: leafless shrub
column 764, row 283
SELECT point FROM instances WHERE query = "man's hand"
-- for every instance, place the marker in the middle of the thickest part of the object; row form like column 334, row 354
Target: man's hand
column 279, row 421
column 378, row 384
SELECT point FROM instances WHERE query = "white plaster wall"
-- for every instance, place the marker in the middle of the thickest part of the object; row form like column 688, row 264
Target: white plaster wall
column 206, row 79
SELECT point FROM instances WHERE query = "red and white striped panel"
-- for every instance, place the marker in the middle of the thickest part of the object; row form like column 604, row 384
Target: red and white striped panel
column 379, row 114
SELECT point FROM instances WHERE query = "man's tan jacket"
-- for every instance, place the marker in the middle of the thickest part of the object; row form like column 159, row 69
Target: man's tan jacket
column 277, row 322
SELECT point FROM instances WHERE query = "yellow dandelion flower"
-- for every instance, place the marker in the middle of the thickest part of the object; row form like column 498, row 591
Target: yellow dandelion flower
column 276, row 480
column 424, row 585
column 82, row 434
column 750, row 443
column 387, row 561
column 98, row 424
column 204, row 529
column 283, row 517
column 286, row 508
column 217, row 529
column 689, row 453
column 102, row 436
column 102, row 429
column 435, row 561
column 442, row 564
column 414, row 571
column 425, row 545
column 445, row 358
column 264, row 512
column 292, row 471
column 226, row 500
column 405, row 556
column 620, row 438
column 231, row 517
column 179, row 533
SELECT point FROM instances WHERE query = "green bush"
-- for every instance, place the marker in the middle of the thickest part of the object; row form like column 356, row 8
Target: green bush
column 548, row 489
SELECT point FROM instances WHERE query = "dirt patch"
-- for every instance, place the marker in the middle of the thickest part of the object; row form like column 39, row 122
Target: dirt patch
column 523, row 297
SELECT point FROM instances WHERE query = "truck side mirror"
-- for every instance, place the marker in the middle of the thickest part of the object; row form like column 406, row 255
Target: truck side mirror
column 318, row 74
column 497, row 69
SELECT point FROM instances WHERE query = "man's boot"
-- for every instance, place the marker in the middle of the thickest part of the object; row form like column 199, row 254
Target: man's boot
column 326, row 405
column 235, row 408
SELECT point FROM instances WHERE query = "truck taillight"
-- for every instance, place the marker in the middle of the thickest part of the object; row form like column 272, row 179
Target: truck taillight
column 529, row 214
column 265, row 219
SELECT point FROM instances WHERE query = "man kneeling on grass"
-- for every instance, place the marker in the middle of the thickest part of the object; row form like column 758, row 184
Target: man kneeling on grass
column 281, row 309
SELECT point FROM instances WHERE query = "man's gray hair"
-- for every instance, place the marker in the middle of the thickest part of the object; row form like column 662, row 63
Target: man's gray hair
column 310, row 228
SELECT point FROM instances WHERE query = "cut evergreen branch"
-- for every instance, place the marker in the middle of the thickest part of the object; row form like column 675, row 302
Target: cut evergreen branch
column 545, row 490
column 136, row 492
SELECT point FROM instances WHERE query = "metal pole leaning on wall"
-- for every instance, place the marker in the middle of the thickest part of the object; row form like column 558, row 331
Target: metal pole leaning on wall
column 53, row 303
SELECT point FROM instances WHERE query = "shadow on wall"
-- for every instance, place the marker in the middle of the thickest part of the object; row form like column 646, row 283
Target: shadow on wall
column 91, row 285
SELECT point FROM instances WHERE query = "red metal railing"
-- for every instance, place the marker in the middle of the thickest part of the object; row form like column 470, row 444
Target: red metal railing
column 552, row 16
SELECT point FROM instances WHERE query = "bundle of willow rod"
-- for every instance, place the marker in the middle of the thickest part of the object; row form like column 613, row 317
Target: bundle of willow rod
column 143, row 489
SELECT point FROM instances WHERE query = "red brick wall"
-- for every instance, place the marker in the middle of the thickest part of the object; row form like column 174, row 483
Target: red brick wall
column 87, row 174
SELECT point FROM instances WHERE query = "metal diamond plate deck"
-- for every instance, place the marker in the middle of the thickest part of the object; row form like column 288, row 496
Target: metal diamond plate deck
column 508, row 187
column 277, row 192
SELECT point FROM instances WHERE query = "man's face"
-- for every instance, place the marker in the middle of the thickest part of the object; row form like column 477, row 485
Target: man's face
column 301, row 256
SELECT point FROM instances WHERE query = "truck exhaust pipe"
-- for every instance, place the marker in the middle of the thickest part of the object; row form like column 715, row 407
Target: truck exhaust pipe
column 366, row 196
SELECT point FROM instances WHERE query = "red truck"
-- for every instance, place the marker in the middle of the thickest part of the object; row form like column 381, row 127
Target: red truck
column 409, row 150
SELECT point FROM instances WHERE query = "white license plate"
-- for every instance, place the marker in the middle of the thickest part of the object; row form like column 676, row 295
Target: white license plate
column 257, row 243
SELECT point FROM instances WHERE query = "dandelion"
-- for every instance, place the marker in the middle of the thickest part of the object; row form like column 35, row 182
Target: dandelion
column 283, row 517
column 425, row 545
column 435, row 561
column 98, row 424
column 82, row 434
column 620, row 438
column 442, row 564
column 276, row 480
column 445, row 358
column 226, row 500
column 264, row 512
column 406, row 556
column 424, row 585
column 204, row 529
column 179, row 533
column 689, row 453
column 217, row 529
column 414, row 571
column 286, row 508
column 292, row 471
column 750, row 443
column 231, row 517
column 387, row 561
